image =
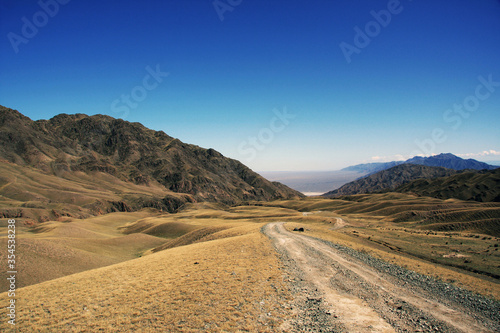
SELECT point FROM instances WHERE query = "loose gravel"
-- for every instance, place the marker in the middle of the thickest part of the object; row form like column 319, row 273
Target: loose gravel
column 311, row 314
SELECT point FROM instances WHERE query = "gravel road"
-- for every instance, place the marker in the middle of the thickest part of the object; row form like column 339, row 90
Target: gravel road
column 338, row 289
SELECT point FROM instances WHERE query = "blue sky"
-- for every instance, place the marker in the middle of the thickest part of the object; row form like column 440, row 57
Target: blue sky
column 274, row 84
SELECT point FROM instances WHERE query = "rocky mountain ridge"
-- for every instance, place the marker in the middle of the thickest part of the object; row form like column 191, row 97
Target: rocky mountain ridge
column 390, row 179
column 67, row 146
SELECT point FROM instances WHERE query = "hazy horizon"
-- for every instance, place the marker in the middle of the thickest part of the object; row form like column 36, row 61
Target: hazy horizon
column 281, row 86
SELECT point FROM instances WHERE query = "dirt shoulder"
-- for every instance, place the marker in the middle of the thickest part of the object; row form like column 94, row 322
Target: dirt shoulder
column 354, row 292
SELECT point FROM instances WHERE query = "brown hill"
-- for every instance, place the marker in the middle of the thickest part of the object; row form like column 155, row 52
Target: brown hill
column 74, row 148
column 483, row 186
column 390, row 179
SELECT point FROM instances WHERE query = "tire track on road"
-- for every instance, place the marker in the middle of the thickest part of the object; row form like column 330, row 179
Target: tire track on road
column 364, row 299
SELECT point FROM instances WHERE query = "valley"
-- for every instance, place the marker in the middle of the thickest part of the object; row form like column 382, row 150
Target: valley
column 249, row 166
column 121, row 228
column 166, row 267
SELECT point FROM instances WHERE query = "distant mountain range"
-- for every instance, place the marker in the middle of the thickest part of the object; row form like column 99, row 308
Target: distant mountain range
column 449, row 161
column 369, row 168
column 72, row 147
column 441, row 176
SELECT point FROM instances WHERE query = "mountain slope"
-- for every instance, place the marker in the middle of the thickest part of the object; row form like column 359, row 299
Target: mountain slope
column 70, row 146
column 449, row 161
column 390, row 179
column 478, row 186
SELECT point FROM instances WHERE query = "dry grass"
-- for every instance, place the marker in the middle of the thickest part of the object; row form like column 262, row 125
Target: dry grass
column 54, row 249
column 57, row 249
column 222, row 274
column 36, row 195
column 213, row 270
column 229, row 284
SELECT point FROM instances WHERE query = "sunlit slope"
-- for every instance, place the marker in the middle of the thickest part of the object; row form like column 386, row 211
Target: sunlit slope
column 410, row 210
column 58, row 248
column 223, row 284
column 30, row 194
column 55, row 249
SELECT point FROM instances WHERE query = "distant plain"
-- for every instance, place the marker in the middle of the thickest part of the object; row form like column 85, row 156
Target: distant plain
column 312, row 183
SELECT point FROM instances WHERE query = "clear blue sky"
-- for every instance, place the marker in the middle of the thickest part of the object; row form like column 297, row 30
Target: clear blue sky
column 354, row 98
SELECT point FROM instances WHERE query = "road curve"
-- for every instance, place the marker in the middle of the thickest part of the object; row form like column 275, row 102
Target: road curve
column 360, row 298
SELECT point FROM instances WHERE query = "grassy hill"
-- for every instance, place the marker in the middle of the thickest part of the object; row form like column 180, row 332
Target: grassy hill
column 210, row 263
column 226, row 284
column 219, row 270
column 58, row 248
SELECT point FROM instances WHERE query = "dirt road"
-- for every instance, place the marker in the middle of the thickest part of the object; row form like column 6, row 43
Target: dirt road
column 338, row 289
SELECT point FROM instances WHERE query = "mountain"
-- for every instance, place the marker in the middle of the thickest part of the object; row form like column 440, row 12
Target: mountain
column 390, row 179
column 449, row 161
column 101, row 149
column 483, row 186
column 369, row 168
